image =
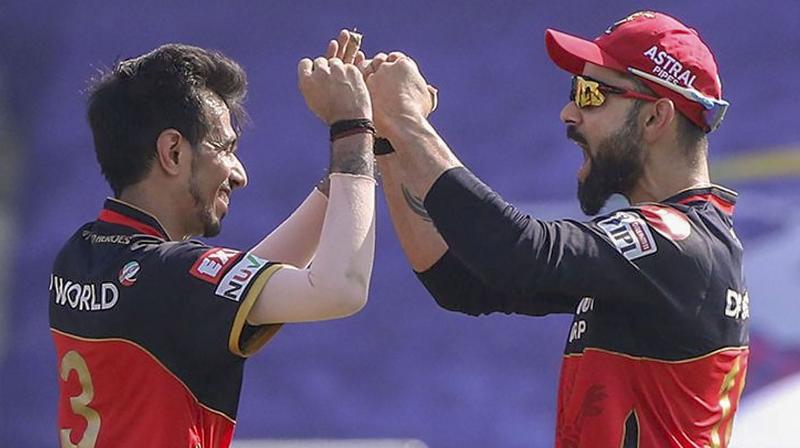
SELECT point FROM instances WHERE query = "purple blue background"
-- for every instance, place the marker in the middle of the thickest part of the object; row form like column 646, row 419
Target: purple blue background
column 403, row 367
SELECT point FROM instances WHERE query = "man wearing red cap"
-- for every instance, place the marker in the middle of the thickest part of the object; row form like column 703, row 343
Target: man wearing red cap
column 657, row 352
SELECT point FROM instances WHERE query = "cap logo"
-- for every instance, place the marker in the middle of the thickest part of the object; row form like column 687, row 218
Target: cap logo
column 631, row 18
column 668, row 68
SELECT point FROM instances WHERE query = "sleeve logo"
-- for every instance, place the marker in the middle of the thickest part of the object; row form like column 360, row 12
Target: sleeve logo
column 239, row 277
column 210, row 266
column 630, row 234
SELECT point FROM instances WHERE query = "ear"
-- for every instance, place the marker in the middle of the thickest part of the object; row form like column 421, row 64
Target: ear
column 658, row 119
column 171, row 150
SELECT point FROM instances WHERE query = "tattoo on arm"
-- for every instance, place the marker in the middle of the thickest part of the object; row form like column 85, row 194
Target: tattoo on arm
column 353, row 157
column 415, row 204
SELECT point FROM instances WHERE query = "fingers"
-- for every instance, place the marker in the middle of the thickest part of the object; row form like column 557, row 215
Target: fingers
column 359, row 59
column 395, row 56
column 333, row 49
column 304, row 68
column 336, row 65
column 374, row 64
column 342, row 40
column 352, row 47
column 321, row 63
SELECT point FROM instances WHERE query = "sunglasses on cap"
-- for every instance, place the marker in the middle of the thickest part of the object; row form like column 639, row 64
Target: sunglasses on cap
column 714, row 109
column 588, row 92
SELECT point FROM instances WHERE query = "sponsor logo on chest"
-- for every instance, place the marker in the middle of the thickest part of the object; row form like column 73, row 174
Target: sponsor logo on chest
column 129, row 273
column 630, row 234
column 579, row 324
column 210, row 265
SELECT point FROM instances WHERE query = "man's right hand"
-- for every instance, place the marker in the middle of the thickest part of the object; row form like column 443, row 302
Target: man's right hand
column 334, row 89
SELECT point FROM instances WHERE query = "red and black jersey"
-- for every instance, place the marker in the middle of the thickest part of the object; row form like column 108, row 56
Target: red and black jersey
column 657, row 352
column 151, row 335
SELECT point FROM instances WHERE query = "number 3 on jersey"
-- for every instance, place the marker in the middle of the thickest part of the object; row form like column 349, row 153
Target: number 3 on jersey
column 72, row 360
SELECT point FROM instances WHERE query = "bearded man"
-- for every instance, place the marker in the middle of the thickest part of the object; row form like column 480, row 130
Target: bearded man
column 657, row 351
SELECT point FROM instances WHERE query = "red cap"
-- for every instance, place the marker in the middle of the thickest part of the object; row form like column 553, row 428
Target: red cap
column 655, row 44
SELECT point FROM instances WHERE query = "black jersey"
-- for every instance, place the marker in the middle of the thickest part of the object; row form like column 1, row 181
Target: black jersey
column 151, row 335
column 657, row 351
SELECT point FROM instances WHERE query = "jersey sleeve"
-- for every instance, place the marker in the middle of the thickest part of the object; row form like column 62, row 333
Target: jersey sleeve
column 208, row 293
column 619, row 257
column 456, row 288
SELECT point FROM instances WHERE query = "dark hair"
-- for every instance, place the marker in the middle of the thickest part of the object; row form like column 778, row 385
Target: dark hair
column 132, row 104
column 690, row 136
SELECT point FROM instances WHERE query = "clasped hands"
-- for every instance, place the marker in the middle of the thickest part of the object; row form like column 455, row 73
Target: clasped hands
column 344, row 84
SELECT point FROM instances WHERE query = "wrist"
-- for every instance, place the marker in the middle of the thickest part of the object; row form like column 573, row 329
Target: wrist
column 352, row 155
column 345, row 128
column 401, row 127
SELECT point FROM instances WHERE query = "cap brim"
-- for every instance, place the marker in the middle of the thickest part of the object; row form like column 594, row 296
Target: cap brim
column 571, row 53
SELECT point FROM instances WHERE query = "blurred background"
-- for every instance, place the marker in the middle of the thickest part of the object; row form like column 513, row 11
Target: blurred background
column 402, row 368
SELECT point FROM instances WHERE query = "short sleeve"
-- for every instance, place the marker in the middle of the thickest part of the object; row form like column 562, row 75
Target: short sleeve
column 207, row 293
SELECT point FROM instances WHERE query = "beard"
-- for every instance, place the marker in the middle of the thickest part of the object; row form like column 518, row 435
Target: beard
column 204, row 211
column 615, row 167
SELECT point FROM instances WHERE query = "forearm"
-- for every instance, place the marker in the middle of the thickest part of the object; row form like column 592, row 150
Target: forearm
column 422, row 153
column 456, row 288
column 509, row 250
column 295, row 241
column 419, row 239
column 337, row 283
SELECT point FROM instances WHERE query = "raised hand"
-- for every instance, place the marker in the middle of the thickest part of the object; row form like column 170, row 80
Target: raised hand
column 333, row 87
column 398, row 90
column 346, row 47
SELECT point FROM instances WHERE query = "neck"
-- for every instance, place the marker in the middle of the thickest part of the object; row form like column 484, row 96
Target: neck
column 161, row 205
column 661, row 180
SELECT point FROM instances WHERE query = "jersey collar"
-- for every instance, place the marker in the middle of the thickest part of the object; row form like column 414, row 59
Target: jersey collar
column 121, row 213
column 722, row 198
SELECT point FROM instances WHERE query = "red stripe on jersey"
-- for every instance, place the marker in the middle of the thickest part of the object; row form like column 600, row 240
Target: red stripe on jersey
column 725, row 206
column 677, row 404
column 117, row 393
column 113, row 217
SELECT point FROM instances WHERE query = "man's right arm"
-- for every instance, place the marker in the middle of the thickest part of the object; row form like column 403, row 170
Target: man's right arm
column 418, row 237
column 337, row 282
column 449, row 281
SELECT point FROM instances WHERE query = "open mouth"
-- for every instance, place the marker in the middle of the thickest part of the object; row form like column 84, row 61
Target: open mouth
column 583, row 171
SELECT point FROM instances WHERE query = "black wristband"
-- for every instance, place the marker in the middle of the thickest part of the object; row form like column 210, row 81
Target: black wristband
column 382, row 146
column 344, row 128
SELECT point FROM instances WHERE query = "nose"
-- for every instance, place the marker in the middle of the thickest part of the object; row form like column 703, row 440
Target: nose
column 570, row 114
column 238, row 177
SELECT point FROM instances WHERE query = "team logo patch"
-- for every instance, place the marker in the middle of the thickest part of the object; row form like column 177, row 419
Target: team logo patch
column 239, row 277
column 129, row 273
column 630, row 234
column 667, row 221
column 210, row 266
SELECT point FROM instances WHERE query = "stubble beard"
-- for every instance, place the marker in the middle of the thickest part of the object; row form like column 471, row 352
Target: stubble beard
column 204, row 212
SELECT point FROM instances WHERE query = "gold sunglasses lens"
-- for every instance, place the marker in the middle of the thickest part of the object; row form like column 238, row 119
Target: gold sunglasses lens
column 587, row 93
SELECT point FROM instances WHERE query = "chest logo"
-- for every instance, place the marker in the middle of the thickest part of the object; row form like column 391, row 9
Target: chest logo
column 210, row 266
column 630, row 234
column 129, row 273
